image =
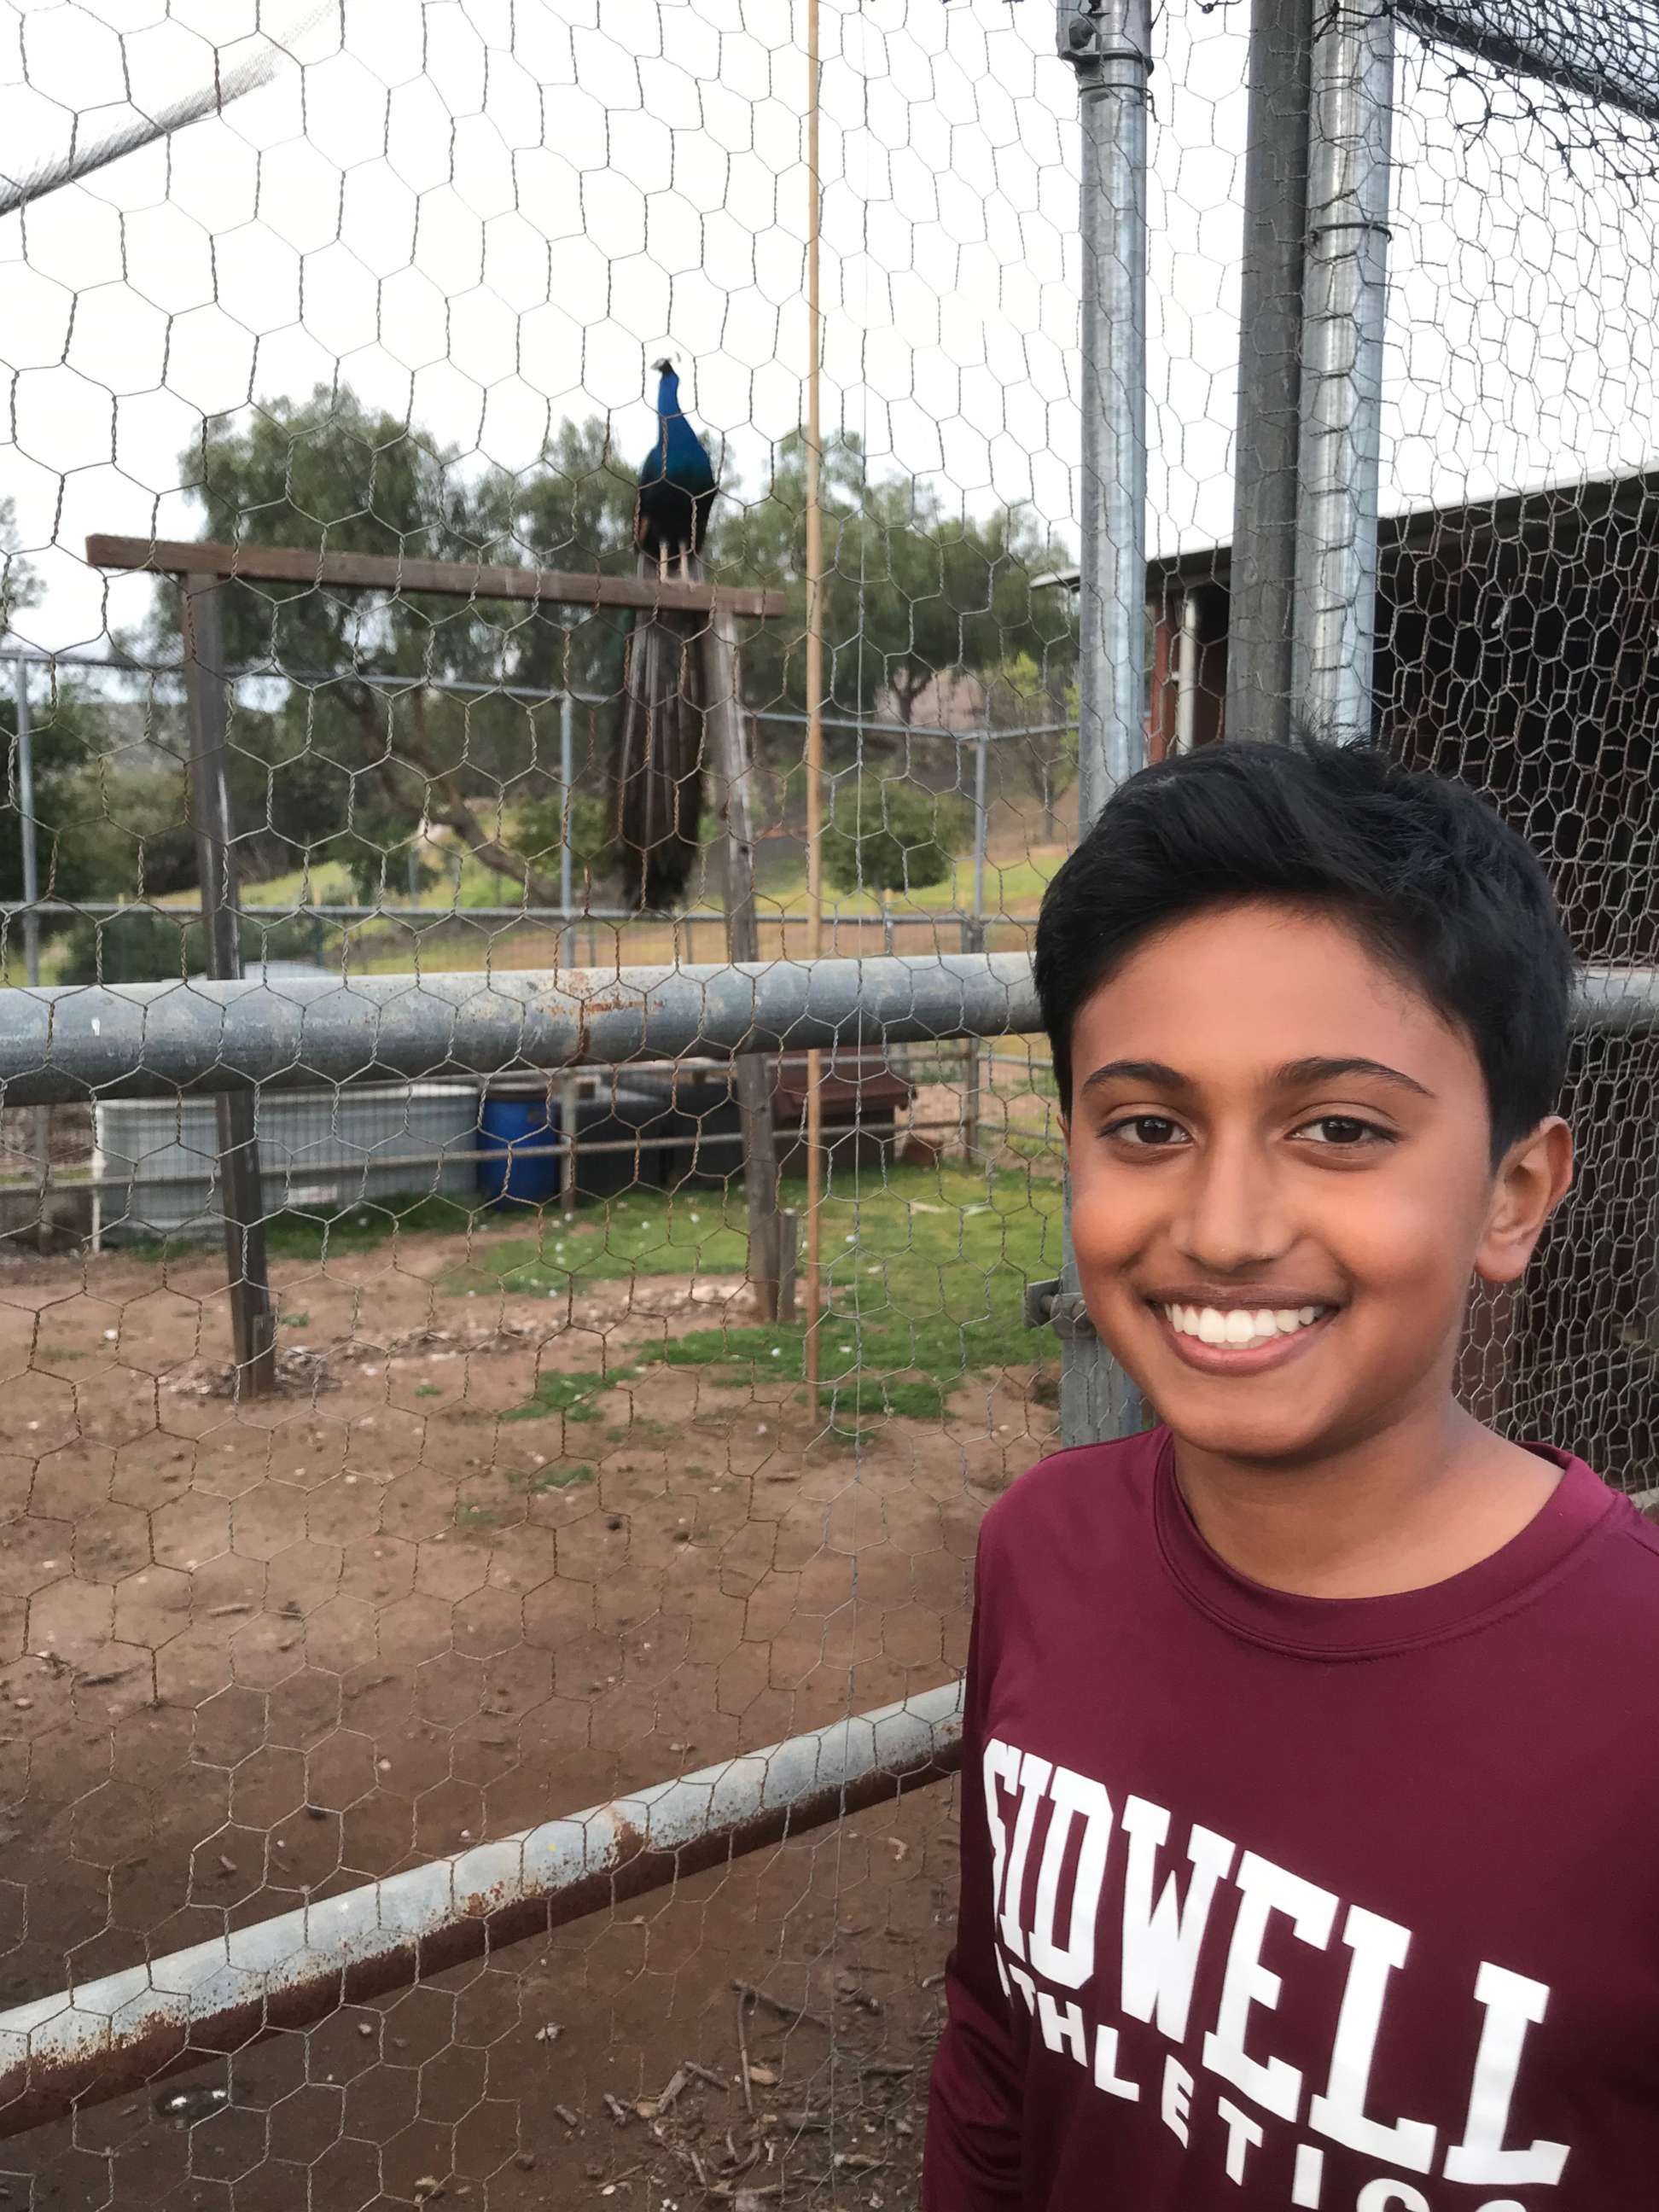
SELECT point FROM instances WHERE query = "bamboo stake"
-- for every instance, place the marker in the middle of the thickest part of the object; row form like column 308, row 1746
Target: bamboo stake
column 814, row 714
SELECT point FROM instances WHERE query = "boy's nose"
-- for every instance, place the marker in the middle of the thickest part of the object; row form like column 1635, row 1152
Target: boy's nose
column 1233, row 1219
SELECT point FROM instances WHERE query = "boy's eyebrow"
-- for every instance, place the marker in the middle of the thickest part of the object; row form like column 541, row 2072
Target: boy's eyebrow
column 1294, row 1075
column 1156, row 1073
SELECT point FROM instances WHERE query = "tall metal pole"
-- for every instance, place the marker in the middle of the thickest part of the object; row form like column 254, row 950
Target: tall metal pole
column 814, row 708
column 981, row 822
column 1111, row 50
column 1345, row 305
column 570, row 1090
column 567, row 785
column 241, row 1195
column 973, row 940
column 26, row 817
column 1111, row 53
column 42, row 1122
column 1266, row 450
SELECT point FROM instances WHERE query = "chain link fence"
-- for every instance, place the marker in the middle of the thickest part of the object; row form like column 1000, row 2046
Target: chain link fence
column 420, row 1423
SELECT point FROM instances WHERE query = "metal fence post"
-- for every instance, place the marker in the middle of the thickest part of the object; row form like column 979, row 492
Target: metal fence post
column 241, row 1195
column 570, row 1092
column 973, row 940
column 1111, row 50
column 729, row 756
column 1260, row 619
column 41, row 1123
column 1346, row 303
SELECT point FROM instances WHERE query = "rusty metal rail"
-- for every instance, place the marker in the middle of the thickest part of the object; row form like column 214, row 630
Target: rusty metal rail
column 125, row 2031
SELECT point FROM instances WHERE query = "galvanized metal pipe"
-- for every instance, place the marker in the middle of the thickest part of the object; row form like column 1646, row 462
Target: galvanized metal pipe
column 107, row 2038
column 1111, row 51
column 155, row 1040
column 1268, row 436
column 41, row 1118
column 1345, row 308
column 152, row 1039
column 1110, row 48
column 1610, row 55
column 1189, row 656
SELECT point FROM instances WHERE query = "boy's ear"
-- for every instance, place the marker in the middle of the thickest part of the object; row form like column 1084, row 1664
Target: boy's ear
column 1533, row 1177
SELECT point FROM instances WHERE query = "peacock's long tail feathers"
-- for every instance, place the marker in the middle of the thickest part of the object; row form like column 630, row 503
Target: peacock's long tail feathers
column 659, row 768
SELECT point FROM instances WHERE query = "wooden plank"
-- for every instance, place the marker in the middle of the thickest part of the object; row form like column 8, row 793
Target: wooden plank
column 733, row 775
column 241, row 1201
column 456, row 579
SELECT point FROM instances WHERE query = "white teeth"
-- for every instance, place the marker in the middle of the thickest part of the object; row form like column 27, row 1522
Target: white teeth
column 1241, row 1325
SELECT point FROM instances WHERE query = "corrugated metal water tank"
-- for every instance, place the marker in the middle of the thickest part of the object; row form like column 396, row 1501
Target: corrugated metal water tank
column 319, row 1150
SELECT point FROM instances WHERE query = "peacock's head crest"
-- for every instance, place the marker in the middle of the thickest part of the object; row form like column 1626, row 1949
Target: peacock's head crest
column 663, row 368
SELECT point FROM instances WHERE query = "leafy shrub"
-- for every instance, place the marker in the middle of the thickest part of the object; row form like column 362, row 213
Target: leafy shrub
column 143, row 947
column 887, row 835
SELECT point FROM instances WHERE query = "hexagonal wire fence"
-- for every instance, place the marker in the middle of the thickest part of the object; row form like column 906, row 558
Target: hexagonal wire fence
column 468, row 1603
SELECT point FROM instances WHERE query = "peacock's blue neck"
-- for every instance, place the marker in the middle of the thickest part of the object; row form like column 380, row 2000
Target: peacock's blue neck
column 682, row 457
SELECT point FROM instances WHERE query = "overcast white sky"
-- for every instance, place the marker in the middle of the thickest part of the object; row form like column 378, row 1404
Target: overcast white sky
column 492, row 214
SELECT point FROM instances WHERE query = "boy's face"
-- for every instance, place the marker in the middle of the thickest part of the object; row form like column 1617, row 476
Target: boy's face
column 1282, row 1183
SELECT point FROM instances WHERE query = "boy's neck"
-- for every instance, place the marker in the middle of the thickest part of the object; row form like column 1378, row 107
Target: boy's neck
column 1429, row 1497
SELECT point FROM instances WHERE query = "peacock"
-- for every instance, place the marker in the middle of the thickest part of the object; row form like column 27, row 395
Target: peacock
column 659, row 770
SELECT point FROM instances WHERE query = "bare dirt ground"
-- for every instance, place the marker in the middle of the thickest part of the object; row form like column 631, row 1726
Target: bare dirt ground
column 253, row 1654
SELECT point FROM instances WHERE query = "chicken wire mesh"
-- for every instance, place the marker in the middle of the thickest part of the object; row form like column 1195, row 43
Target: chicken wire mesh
column 538, row 1512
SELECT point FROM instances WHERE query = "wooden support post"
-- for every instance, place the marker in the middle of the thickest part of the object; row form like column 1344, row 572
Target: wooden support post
column 240, row 1197
column 789, row 1261
column 734, row 773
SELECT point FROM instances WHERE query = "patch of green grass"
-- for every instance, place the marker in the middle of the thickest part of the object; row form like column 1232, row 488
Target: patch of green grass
column 318, row 1235
column 952, row 1250
column 295, row 1320
column 308, row 1236
column 646, row 1232
column 478, row 1517
column 560, row 1476
column 427, row 1390
column 573, row 1395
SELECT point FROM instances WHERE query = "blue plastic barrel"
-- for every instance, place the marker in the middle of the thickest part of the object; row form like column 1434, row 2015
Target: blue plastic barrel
column 511, row 1172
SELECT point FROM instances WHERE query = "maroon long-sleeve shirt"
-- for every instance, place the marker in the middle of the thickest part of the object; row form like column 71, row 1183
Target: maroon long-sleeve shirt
column 1273, row 1902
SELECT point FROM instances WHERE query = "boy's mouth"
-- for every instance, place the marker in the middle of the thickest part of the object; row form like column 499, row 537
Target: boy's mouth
column 1236, row 1340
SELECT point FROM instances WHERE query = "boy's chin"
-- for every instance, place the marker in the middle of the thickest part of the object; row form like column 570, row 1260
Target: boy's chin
column 1259, row 1420
column 1291, row 1435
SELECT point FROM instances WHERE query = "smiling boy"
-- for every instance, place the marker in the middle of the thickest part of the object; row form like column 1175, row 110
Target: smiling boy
column 1311, row 1781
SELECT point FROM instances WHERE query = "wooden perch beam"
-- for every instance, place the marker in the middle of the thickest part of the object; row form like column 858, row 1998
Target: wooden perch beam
column 455, row 579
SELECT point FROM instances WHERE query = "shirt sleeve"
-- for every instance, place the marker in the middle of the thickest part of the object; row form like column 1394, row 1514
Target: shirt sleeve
column 971, row 2160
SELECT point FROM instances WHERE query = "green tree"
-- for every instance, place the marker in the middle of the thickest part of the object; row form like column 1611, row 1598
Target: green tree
column 337, row 768
column 913, row 591
column 1018, row 697
column 111, row 819
column 20, row 586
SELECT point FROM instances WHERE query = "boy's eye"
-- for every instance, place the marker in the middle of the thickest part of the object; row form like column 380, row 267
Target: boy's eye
column 1146, row 1130
column 1346, row 1131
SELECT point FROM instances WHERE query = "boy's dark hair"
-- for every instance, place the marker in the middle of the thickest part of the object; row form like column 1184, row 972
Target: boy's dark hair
column 1436, row 886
